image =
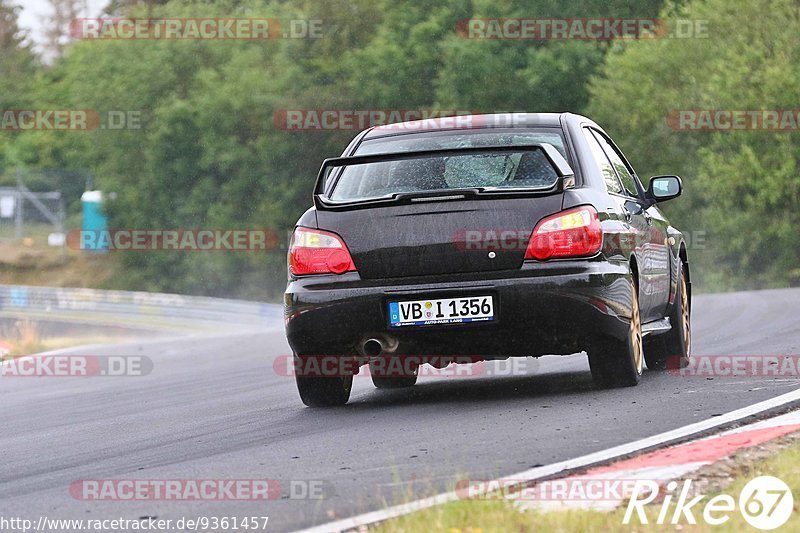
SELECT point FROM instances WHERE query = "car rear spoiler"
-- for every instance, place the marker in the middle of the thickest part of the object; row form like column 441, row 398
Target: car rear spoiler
column 563, row 170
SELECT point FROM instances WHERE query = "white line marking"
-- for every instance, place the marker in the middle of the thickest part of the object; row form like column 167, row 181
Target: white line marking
column 556, row 468
column 663, row 472
column 789, row 419
column 658, row 474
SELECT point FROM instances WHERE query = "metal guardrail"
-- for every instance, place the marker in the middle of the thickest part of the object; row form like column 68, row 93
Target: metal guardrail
column 27, row 299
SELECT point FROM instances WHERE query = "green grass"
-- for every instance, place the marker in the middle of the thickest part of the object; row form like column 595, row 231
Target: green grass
column 31, row 261
column 490, row 516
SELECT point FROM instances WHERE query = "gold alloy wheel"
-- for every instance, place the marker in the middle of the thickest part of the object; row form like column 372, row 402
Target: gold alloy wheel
column 636, row 333
column 687, row 334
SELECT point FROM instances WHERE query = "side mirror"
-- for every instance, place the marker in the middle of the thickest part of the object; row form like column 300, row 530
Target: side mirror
column 663, row 188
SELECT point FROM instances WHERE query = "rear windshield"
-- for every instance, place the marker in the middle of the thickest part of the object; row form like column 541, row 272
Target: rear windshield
column 512, row 170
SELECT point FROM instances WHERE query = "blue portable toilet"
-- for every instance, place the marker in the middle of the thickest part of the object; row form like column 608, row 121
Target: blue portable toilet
column 95, row 223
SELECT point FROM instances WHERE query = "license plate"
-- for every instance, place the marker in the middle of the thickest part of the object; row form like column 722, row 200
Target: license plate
column 442, row 311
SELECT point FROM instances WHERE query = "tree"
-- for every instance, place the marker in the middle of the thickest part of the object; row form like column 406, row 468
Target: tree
column 742, row 186
column 528, row 75
column 18, row 66
column 57, row 25
column 209, row 154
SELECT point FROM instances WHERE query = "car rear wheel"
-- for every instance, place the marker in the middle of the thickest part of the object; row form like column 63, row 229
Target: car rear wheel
column 616, row 363
column 673, row 348
column 392, row 379
column 324, row 391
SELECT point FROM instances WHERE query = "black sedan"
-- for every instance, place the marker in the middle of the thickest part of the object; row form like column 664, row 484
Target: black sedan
column 489, row 237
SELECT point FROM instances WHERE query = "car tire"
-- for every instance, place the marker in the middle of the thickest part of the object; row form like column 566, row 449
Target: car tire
column 393, row 381
column 323, row 391
column 673, row 349
column 615, row 363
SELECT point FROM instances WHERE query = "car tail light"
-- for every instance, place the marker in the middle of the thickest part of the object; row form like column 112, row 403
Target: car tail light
column 314, row 251
column 572, row 233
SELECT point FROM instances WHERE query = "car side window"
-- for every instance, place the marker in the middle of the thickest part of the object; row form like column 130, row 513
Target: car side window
column 609, row 176
column 625, row 176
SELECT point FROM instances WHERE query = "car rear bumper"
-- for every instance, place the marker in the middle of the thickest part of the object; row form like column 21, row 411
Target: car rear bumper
column 557, row 307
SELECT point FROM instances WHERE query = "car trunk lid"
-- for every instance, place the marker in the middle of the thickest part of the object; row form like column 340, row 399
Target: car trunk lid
column 442, row 237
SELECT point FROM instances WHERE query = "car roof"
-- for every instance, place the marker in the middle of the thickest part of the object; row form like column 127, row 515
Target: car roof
column 472, row 122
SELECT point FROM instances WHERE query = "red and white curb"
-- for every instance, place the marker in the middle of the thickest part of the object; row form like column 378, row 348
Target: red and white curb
column 552, row 470
column 596, row 488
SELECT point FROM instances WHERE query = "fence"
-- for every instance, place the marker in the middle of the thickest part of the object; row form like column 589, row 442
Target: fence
column 127, row 304
column 24, row 213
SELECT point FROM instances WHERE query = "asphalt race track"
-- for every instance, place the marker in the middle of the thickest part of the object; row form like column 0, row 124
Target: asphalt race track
column 214, row 408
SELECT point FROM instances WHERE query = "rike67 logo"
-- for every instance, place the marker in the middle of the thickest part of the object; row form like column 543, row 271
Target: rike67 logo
column 766, row 503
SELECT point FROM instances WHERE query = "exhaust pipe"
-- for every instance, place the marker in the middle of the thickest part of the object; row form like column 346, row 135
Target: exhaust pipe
column 372, row 347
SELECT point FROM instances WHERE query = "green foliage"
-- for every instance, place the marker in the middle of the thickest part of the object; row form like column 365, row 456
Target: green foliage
column 209, row 155
column 509, row 75
column 18, row 66
column 742, row 186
